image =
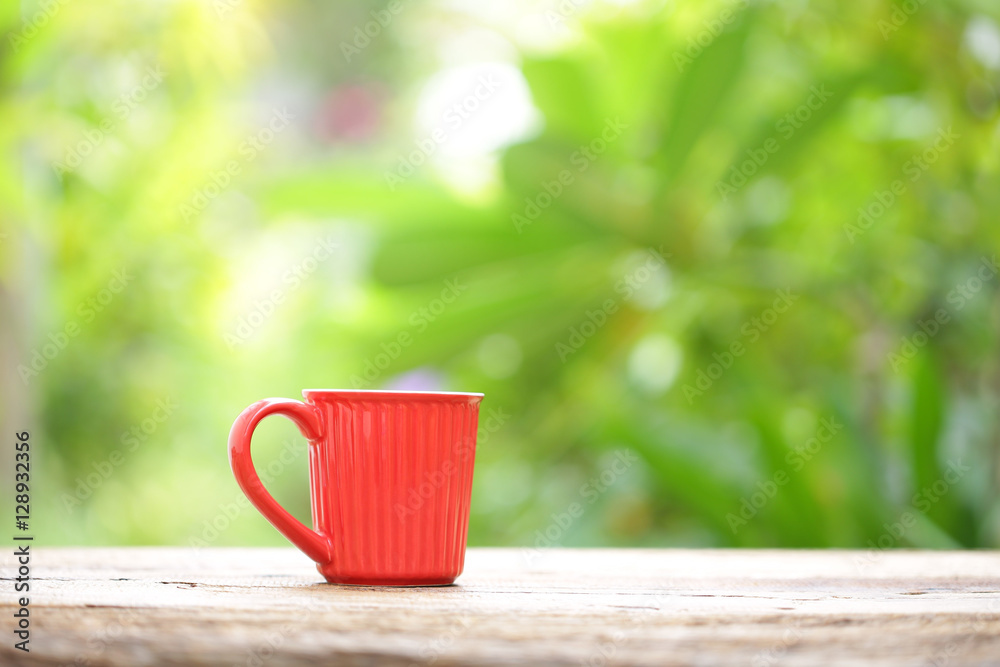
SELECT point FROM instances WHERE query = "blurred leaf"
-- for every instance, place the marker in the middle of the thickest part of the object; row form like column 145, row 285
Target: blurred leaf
column 701, row 91
column 927, row 419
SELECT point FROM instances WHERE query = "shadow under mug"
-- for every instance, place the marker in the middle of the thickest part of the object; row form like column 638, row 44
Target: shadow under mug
column 390, row 475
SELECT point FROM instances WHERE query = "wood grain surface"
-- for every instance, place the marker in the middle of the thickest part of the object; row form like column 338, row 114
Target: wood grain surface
column 255, row 607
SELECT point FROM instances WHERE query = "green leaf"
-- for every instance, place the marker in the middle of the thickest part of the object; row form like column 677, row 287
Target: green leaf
column 704, row 87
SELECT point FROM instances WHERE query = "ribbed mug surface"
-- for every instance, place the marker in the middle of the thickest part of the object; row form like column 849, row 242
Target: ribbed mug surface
column 391, row 481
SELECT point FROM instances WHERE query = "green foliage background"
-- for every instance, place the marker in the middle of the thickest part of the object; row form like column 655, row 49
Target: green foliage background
column 897, row 73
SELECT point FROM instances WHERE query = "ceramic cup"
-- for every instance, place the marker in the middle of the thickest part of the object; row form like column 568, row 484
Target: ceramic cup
column 390, row 474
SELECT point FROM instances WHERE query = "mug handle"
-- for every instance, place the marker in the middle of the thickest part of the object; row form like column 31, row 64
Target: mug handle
column 307, row 417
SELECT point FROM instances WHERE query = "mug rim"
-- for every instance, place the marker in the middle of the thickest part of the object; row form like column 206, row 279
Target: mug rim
column 391, row 392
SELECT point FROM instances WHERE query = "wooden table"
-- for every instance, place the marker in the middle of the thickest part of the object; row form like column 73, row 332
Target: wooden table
column 144, row 606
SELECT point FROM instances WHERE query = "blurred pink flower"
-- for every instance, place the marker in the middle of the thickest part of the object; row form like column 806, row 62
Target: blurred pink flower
column 418, row 379
column 351, row 113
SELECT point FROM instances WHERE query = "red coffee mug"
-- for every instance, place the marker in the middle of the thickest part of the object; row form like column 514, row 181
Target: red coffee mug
column 390, row 474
